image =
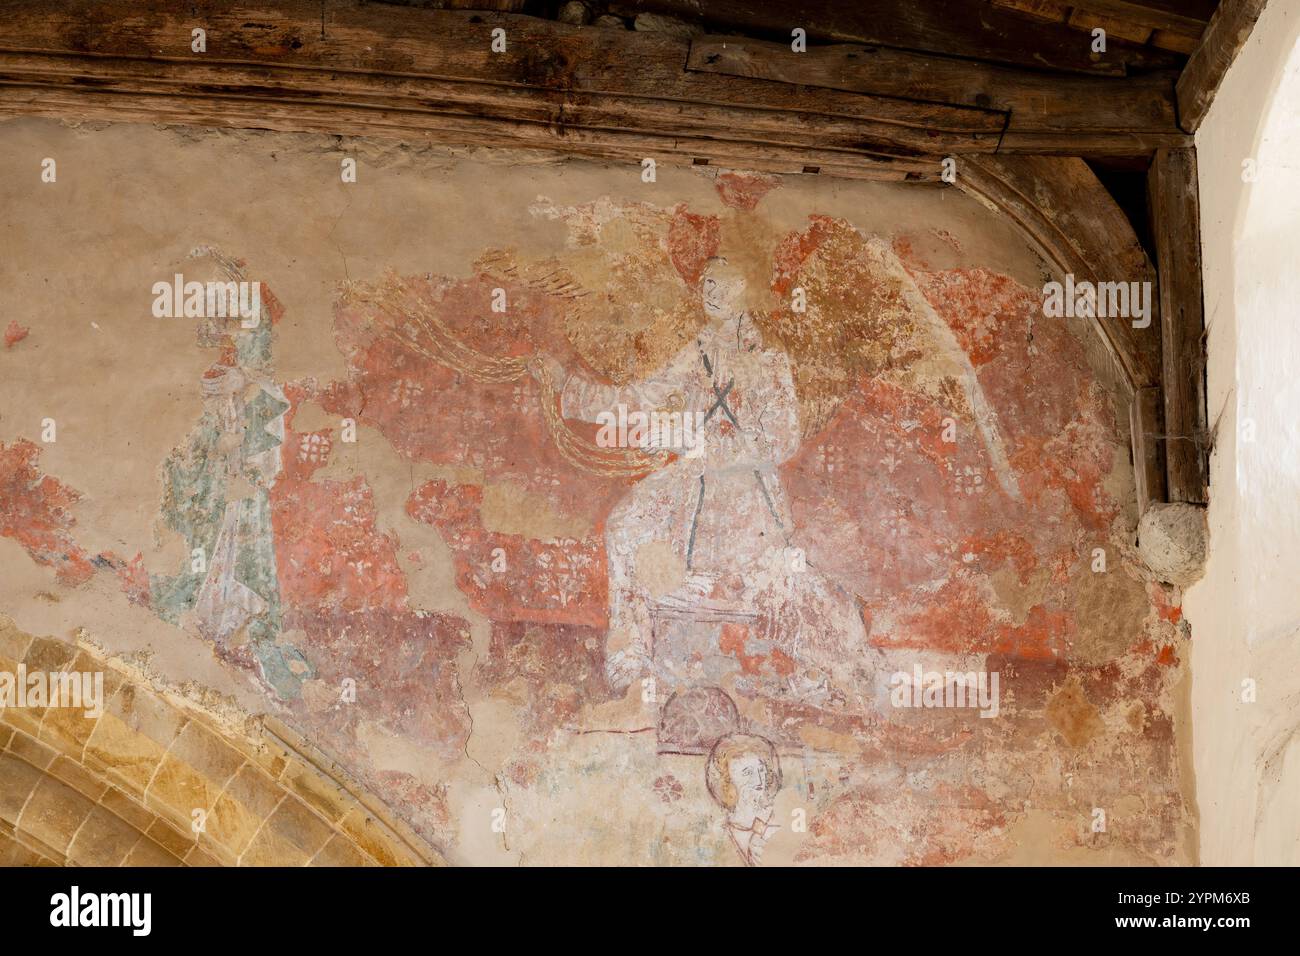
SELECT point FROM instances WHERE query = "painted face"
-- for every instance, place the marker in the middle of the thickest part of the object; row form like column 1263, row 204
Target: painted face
column 722, row 289
column 749, row 774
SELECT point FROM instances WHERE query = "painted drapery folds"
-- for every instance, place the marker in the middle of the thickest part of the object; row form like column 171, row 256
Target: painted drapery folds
column 695, row 539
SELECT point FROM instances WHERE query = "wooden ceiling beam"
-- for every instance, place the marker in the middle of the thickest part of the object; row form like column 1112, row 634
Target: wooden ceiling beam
column 868, row 102
column 426, row 127
column 1225, row 36
column 971, row 29
column 356, row 38
column 1046, row 114
column 129, row 85
column 1185, row 17
column 436, row 70
column 1090, row 144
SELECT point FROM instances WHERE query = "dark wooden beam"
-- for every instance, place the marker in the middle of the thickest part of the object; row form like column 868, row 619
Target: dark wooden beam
column 431, row 104
column 425, row 127
column 1046, row 113
column 1223, row 38
column 1176, row 230
column 1186, row 17
column 972, row 29
column 1146, row 417
column 432, row 75
column 357, row 42
column 1061, row 206
column 1117, row 144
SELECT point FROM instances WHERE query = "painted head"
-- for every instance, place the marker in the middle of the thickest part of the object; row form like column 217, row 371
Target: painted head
column 743, row 775
column 722, row 289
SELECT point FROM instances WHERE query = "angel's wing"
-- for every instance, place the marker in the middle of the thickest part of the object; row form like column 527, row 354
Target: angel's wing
column 863, row 314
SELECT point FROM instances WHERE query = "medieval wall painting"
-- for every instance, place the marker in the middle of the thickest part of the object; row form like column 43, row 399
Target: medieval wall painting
column 719, row 530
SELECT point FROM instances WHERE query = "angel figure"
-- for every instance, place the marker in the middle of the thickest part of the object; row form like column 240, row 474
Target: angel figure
column 718, row 519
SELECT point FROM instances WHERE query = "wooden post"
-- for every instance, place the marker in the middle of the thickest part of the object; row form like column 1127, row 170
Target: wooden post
column 1148, row 450
column 1175, row 227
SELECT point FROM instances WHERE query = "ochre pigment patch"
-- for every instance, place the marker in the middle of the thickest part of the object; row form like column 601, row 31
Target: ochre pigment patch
column 1073, row 716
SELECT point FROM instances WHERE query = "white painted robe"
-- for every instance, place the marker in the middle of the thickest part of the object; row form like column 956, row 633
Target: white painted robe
column 724, row 517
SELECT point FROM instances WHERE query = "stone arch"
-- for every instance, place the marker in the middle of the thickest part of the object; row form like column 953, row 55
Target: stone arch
column 122, row 787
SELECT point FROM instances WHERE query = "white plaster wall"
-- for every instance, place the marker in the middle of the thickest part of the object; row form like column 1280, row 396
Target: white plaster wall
column 1245, row 612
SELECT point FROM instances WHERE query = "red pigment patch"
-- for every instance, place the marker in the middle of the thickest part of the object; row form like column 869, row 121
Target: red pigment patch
column 955, row 619
column 744, row 190
column 883, row 503
column 1168, row 612
column 302, row 453
column 732, row 641
column 36, row 511
column 692, row 240
column 938, row 827
column 958, row 620
column 273, row 304
column 133, row 576
column 328, row 551
column 904, row 246
column 907, row 254
column 559, row 667
column 984, row 309
column 993, row 551
column 429, row 412
column 1055, row 420
column 404, row 665
column 996, row 319
column 15, row 333
column 544, row 582
column 795, row 249
column 423, row 804
column 1044, row 636
column 1074, row 462
column 782, row 663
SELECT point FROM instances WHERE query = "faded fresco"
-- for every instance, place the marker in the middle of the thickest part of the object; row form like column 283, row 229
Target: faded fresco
column 699, row 533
